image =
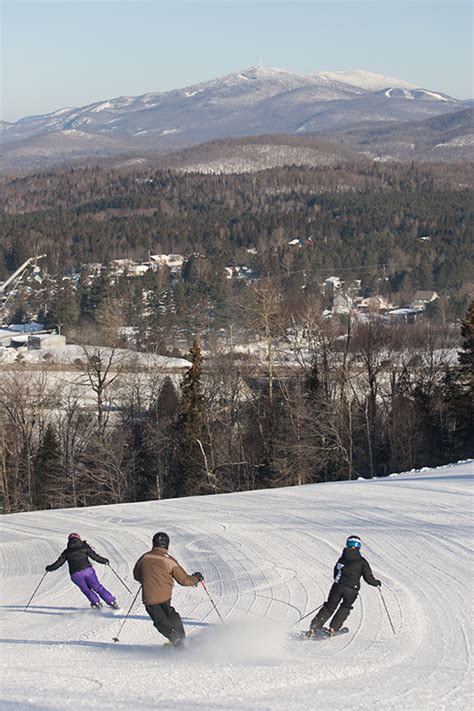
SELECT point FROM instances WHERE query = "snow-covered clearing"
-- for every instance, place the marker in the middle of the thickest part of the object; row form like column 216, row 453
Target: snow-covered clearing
column 267, row 557
column 71, row 354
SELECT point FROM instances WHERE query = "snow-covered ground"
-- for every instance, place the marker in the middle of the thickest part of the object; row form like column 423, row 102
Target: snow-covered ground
column 71, row 354
column 267, row 557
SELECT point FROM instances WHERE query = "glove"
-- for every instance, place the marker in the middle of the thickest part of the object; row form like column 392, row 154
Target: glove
column 107, row 561
column 378, row 583
column 48, row 569
column 199, row 576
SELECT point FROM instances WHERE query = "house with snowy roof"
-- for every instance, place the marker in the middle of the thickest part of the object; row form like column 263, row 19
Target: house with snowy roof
column 422, row 299
column 373, row 304
column 403, row 315
column 173, row 261
column 332, row 284
column 343, row 304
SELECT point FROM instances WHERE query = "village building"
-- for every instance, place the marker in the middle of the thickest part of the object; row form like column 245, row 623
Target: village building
column 342, row 304
column 373, row 304
column 403, row 315
column 422, row 299
column 332, row 284
column 46, row 340
column 173, row 261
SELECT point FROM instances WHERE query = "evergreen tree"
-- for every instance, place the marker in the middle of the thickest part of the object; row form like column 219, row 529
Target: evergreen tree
column 463, row 397
column 167, row 404
column 162, row 424
column 192, row 476
column 64, row 308
column 47, row 469
column 144, row 463
column 466, row 355
column 93, row 293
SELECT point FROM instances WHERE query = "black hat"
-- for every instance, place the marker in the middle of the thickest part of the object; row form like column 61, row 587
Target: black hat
column 161, row 540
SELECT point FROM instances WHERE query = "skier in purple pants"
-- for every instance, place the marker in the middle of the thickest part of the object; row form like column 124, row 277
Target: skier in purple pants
column 82, row 573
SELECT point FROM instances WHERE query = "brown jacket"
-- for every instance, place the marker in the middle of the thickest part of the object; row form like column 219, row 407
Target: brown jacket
column 156, row 571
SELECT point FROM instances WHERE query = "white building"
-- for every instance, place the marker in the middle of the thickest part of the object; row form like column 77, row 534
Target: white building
column 403, row 315
column 173, row 261
column 343, row 304
column 422, row 299
column 46, row 340
column 332, row 284
column 373, row 304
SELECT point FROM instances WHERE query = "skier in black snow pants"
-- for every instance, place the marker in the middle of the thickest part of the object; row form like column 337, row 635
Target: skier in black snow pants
column 348, row 570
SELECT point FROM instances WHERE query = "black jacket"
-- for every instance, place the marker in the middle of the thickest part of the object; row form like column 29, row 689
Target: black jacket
column 349, row 569
column 77, row 555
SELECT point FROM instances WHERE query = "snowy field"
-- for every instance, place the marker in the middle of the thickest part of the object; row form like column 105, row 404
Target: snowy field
column 267, row 557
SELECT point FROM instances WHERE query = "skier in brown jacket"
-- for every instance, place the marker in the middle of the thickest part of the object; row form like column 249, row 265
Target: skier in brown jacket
column 156, row 570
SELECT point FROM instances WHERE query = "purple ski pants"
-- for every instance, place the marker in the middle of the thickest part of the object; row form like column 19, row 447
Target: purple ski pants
column 88, row 583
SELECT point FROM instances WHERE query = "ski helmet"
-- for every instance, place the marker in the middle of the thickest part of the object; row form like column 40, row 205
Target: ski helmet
column 73, row 535
column 161, row 540
column 353, row 542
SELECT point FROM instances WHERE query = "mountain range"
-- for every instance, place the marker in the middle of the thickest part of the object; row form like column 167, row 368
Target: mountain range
column 371, row 110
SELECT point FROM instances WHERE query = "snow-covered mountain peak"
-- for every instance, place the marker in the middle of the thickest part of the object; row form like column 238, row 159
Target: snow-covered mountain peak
column 367, row 80
column 254, row 100
column 259, row 72
column 120, row 102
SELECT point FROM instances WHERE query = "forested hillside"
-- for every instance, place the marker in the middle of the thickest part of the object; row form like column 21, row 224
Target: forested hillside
column 313, row 399
column 410, row 225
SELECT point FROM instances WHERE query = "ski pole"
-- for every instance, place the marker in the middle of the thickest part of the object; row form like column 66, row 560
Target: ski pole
column 122, row 581
column 36, row 590
column 116, row 639
column 212, row 601
column 386, row 610
column 307, row 615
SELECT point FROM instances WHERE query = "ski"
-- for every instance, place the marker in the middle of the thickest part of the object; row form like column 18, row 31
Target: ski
column 324, row 633
column 170, row 645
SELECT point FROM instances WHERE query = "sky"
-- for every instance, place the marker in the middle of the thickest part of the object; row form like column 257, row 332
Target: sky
column 64, row 53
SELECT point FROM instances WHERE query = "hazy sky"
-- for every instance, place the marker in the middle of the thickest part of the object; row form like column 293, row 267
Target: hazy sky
column 65, row 53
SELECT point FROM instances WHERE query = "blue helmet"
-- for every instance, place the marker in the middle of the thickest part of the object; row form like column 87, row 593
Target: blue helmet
column 353, row 542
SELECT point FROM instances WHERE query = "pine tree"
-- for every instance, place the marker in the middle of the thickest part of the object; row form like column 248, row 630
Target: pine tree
column 466, row 355
column 192, row 476
column 167, row 404
column 463, row 398
column 64, row 308
column 162, row 429
column 47, row 469
column 144, row 464
column 93, row 292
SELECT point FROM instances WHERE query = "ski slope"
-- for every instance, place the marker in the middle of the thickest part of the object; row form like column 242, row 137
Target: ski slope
column 267, row 557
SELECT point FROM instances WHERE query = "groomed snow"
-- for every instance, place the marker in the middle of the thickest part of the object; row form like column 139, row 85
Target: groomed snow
column 267, row 557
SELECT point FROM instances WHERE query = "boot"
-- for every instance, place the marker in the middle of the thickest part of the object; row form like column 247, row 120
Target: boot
column 315, row 627
column 176, row 639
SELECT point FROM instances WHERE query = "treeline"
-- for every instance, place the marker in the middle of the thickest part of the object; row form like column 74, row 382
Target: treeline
column 363, row 402
column 408, row 225
column 74, row 187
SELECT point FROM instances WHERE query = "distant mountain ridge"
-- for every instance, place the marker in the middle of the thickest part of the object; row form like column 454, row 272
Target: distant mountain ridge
column 258, row 100
column 448, row 137
column 368, row 80
column 254, row 153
